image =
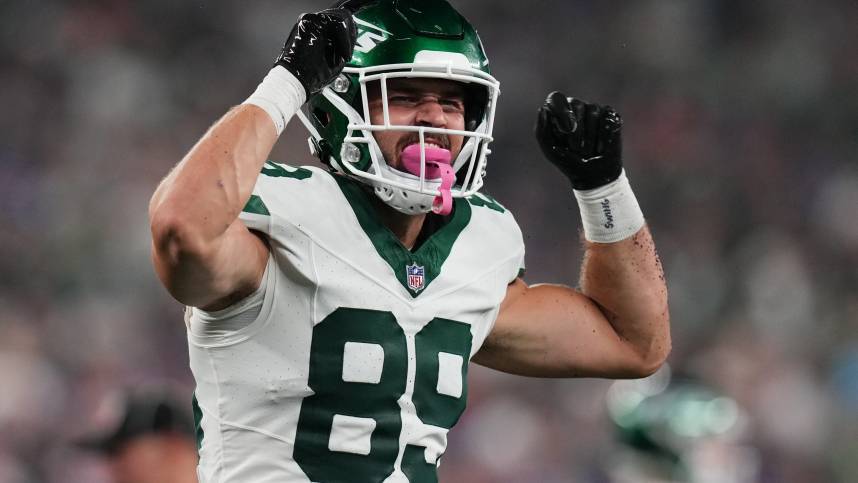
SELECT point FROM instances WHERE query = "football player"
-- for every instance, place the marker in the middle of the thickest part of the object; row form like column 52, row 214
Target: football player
column 678, row 429
column 335, row 311
column 151, row 440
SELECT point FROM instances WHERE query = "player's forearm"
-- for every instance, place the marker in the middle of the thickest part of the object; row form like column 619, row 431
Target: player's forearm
column 627, row 281
column 206, row 191
column 621, row 271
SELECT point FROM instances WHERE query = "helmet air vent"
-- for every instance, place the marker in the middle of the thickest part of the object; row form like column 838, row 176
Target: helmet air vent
column 321, row 117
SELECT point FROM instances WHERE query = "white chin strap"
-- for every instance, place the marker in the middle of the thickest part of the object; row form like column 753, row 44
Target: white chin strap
column 413, row 202
column 405, row 201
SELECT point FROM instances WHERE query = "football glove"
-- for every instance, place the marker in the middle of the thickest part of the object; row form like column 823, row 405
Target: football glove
column 583, row 140
column 318, row 47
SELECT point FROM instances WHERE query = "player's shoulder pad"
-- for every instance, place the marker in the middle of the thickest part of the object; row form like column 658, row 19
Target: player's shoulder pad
column 273, row 173
column 493, row 217
column 280, row 183
column 498, row 235
column 483, row 200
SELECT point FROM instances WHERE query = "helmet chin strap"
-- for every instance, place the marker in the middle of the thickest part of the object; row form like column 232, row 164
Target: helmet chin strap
column 405, row 201
column 438, row 175
column 434, row 162
column 401, row 200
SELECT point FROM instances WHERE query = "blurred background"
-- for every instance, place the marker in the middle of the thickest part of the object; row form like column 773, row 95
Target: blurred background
column 741, row 140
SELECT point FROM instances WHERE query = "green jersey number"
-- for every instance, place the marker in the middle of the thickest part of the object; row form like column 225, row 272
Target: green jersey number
column 376, row 401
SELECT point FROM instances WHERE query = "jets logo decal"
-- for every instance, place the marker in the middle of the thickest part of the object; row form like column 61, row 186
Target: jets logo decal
column 369, row 36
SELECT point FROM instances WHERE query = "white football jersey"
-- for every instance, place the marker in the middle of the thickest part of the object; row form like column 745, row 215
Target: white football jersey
column 355, row 367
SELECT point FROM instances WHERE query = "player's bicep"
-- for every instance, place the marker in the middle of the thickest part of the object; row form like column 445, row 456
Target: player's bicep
column 216, row 274
column 554, row 331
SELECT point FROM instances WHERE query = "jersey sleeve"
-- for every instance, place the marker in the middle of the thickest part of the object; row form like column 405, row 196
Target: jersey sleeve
column 267, row 211
column 496, row 223
column 255, row 213
column 276, row 195
column 518, row 268
column 231, row 324
column 522, row 269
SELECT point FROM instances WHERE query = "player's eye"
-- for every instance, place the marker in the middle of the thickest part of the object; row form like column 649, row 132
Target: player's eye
column 453, row 105
column 402, row 99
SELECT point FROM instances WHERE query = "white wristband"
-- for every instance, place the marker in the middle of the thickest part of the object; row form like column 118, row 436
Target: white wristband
column 610, row 213
column 279, row 94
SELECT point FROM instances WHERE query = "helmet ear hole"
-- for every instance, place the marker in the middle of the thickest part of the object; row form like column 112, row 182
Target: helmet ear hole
column 322, row 117
column 476, row 102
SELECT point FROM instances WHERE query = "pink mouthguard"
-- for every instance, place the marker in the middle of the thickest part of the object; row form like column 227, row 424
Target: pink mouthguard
column 437, row 166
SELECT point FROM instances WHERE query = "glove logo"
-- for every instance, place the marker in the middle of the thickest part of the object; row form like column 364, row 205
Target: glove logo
column 606, row 209
column 369, row 36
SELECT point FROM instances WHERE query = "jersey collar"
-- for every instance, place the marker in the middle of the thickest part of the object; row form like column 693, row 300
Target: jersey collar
column 414, row 270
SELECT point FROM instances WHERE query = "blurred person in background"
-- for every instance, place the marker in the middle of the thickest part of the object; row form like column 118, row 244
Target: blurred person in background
column 334, row 312
column 674, row 429
column 152, row 441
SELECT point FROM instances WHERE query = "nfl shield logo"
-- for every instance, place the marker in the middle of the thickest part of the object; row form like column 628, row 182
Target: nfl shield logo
column 415, row 276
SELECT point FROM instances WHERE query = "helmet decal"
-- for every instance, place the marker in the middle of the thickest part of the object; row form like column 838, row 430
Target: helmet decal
column 369, row 36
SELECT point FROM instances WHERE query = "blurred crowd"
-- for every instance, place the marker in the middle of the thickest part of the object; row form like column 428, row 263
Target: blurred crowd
column 741, row 141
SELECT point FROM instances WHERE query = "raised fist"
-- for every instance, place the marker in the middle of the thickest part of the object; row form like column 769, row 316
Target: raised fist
column 318, row 47
column 583, row 140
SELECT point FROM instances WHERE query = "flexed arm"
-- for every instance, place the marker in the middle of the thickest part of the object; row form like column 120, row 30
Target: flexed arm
column 617, row 323
column 202, row 252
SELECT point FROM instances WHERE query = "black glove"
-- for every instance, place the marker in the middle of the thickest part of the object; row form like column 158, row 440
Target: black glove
column 583, row 140
column 318, row 47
